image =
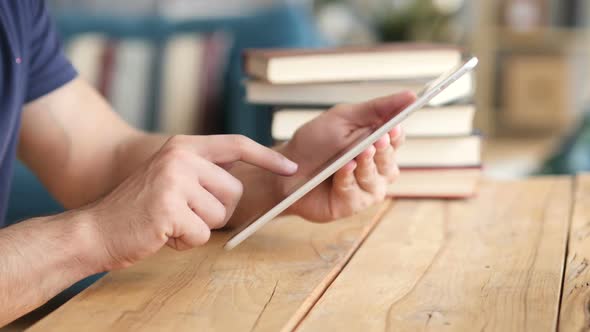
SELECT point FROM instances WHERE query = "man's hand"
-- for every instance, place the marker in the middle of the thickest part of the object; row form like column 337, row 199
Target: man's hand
column 362, row 182
column 176, row 198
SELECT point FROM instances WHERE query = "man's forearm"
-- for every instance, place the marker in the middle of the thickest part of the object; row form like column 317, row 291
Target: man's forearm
column 133, row 152
column 41, row 257
column 90, row 154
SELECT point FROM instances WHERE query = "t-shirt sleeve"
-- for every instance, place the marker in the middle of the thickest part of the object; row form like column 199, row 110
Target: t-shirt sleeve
column 49, row 68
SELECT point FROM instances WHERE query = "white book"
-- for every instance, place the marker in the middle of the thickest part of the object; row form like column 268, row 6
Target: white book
column 131, row 81
column 440, row 152
column 86, row 52
column 183, row 57
column 454, row 120
column 436, row 183
column 383, row 62
column 327, row 94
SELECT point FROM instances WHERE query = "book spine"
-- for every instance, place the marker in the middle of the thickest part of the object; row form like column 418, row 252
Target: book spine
column 131, row 81
column 107, row 65
column 181, row 89
column 215, row 59
column 86, row 54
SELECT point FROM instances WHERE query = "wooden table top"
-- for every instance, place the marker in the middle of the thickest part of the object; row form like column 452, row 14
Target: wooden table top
column 499, row 262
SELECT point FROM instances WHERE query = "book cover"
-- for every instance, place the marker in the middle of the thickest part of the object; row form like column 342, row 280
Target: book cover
column 130, row 88
column 181, row 84
column 396, row 61
column 86, row 54
column 329, row 94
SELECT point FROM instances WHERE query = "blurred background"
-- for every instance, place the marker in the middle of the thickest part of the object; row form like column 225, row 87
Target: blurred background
column 175, row 66
column 156, row 61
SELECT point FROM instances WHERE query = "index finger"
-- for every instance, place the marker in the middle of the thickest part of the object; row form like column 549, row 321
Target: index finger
column 230, row 148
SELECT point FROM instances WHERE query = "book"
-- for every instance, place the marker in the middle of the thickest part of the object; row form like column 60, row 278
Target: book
column 384, row 62
column 453, row 120
column 450, row 183
column 436, row 152
column 86, row 52
column 182, row 60
column 107, row 68
column 131, row 81
column 217, row 47
column 192, row 82
column 328, row 94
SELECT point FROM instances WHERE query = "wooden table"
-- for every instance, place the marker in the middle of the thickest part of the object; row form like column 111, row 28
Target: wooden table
column 499, row 262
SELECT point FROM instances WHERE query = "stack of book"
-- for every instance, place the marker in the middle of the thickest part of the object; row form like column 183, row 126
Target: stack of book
column 441, row 157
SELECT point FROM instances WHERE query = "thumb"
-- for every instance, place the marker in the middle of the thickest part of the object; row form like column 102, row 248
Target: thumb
column 378, row 111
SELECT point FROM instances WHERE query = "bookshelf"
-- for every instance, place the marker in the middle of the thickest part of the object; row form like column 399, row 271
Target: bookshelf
column 510, row 59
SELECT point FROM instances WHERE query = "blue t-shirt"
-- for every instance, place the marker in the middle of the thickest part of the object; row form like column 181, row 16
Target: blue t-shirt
column 32, row 64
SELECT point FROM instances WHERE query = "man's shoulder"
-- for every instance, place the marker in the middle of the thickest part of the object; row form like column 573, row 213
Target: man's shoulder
column 19, row 7
column 17, row 14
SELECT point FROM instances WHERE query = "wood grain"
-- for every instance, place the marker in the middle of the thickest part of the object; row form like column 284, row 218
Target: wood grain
column 575, row 304
column 275, row 276
column 491, row 264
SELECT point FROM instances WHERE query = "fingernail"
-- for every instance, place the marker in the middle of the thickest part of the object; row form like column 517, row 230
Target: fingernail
column 396, row 132
column 382, row 142
column 291, row 166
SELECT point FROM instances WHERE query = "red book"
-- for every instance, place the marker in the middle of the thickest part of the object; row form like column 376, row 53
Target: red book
column 215, row 59
column 108, row 65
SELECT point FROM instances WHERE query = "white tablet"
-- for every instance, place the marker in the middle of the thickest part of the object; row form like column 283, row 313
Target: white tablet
column 343, row 157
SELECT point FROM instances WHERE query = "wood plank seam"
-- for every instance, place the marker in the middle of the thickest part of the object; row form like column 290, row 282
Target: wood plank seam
column 529, row 274
column 259, row 286
column 566, row 251
column 321, row 288
column 482, row 276
column 575, row 300
column 434, row 259
column 265, row 306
